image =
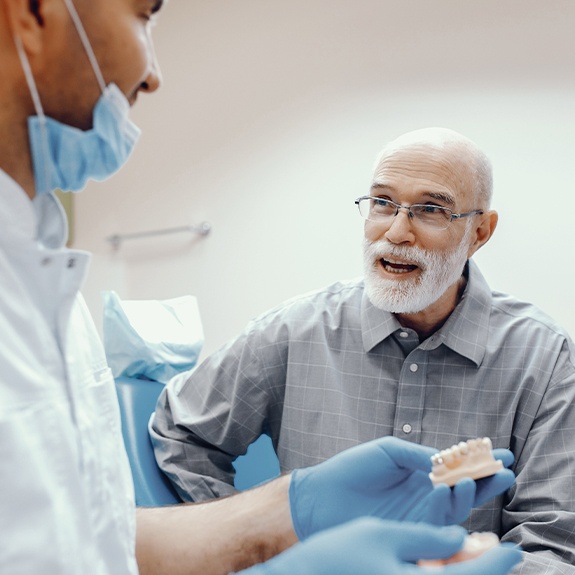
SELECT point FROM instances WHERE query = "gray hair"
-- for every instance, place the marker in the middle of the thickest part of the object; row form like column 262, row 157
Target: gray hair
column 472, row 158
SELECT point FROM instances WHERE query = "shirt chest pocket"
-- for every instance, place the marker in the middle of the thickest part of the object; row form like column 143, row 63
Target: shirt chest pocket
column 103, row 455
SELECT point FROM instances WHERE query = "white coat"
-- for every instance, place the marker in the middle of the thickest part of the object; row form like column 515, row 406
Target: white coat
column 66, row 494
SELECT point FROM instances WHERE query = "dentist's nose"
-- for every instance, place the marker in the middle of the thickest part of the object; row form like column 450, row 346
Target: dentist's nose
column 153, row 79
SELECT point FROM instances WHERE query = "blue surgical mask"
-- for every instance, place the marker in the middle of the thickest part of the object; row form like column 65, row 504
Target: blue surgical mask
column 65, row 157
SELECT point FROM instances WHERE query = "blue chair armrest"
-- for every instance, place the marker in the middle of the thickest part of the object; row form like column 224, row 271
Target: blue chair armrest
column 137, row 398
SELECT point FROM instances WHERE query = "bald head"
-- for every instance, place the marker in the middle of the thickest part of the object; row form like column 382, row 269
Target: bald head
column 468, row 164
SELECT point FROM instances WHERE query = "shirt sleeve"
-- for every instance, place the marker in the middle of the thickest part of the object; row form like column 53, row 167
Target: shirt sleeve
column 206, row 418
column 540, row 513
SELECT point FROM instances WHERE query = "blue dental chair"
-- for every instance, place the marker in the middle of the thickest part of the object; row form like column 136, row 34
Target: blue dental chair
column 137, row 398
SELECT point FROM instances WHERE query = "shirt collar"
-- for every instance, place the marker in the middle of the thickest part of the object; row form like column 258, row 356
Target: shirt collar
column 376, row 324
column 465, row 331
column 52, row 228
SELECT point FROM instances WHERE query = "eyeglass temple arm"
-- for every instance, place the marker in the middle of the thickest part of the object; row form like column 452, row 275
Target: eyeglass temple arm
column 464, row 215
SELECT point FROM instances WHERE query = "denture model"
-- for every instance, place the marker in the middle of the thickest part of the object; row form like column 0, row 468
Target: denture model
column 471, row 458
column 475, row 544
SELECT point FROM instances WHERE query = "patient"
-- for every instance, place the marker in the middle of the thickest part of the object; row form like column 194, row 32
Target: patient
column 421, row 349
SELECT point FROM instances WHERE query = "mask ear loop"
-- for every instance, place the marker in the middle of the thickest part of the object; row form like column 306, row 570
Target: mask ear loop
column 29, row 77
column 86, row 43
column 39, row 113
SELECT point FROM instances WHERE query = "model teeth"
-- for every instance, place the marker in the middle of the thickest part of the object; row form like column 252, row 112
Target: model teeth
column 471, row 458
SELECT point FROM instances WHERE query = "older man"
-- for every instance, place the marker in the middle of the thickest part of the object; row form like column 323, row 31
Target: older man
column 420, row 349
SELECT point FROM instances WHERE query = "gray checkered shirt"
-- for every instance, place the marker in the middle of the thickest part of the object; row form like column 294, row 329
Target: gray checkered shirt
column 328, row 370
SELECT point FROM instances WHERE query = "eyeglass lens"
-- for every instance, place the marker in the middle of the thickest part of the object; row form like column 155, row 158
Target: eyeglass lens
column 378, row 209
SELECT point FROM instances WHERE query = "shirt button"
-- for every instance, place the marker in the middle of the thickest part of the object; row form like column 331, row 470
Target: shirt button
column 71, row 262
column 46, row 261
column 403, row 334
column 413, row 367
column 406, row 428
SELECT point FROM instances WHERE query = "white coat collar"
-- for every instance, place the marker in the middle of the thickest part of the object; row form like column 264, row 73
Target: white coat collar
column 22, row 220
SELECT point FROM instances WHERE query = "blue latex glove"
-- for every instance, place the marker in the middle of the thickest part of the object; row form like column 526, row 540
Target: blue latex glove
column 386, row 478
column 370, row 546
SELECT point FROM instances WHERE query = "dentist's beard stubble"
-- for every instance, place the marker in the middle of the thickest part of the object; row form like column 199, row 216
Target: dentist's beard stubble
column 439, row 271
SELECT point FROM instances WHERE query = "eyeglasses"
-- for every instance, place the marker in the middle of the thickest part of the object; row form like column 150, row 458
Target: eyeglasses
column 377, row 209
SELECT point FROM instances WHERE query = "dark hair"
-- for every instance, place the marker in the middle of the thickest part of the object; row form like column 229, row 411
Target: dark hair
column 35, row 9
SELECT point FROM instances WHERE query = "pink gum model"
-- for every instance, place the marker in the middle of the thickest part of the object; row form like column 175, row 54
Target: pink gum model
column 471, row 458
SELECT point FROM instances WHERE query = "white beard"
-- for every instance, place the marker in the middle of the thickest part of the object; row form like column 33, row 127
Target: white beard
column 439, row 271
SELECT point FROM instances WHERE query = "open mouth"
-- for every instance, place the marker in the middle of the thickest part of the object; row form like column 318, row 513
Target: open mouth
column 397, row 267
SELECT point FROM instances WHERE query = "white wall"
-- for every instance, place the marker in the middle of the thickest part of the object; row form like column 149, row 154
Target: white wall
column 268, row 123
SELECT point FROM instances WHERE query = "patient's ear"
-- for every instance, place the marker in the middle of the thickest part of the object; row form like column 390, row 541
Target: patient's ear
column 483, row 230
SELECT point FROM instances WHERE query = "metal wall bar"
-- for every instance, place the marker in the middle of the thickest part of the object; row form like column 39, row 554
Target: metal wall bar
column 203, row 229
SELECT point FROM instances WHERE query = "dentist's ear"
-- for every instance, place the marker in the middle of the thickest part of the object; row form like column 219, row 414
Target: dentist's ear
column 25, row 20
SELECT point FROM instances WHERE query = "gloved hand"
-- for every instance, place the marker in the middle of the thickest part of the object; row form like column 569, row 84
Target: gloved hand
column 370, row 546
column 386, row 478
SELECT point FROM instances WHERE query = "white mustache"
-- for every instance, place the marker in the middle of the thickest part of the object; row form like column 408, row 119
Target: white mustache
column 383, row 249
